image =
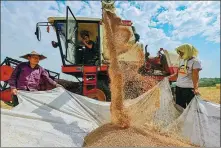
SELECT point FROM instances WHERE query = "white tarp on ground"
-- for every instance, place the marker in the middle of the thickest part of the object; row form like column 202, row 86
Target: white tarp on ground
column 200, row 122
column 60, row 118
column 54, row 118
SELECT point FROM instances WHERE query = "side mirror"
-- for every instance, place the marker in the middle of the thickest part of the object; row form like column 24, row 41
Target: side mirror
column 48, row 29
column 54, row 44
column 137, row 37
column 146, row 48
column 38, row 33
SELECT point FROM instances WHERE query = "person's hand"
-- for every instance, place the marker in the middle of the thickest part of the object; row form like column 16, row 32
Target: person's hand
column 14, row 91
column 84, row 42
column 58, row 85
column 173, row 76
column 170, row 76
column 196, row 92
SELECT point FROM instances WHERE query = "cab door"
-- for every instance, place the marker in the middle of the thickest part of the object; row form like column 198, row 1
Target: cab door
column 71, row 36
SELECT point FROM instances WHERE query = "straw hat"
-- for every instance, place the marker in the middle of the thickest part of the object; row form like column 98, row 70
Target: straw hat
column 42, row 57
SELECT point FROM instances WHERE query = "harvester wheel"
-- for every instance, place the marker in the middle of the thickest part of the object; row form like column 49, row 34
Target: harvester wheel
column 101, row 85
column 103, row 92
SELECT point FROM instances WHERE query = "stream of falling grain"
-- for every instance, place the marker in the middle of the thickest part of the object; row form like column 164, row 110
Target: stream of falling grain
column 118, row 115
column 125, row 83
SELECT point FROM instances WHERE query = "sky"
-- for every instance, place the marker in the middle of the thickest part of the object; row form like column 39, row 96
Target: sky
column 165, row 24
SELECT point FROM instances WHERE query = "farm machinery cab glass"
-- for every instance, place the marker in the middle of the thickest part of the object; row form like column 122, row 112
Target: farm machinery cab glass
column 74, row 49
column 69, row 38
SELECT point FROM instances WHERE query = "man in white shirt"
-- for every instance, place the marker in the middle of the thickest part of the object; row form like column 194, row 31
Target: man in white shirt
column 187, row 75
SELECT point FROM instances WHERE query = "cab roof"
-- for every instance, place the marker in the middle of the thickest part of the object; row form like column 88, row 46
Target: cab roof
column 52, row 19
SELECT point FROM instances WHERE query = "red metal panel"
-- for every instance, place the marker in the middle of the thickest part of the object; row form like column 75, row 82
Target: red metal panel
column 173, row 70
column 6, row 95
column 6, row 72
column 90, row 69
column 104, row 68
column 172, row 79
column 89, row 79
column 71, row 69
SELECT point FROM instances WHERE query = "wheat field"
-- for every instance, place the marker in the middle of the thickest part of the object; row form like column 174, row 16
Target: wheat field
column 210, row 94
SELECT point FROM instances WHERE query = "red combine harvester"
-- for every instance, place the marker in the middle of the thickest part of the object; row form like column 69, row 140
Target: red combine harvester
column 164, row 64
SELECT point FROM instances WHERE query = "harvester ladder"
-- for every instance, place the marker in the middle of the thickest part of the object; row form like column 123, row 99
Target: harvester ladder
column 89, row 80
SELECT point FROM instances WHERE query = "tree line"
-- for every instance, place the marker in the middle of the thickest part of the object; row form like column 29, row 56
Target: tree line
column 208, row 82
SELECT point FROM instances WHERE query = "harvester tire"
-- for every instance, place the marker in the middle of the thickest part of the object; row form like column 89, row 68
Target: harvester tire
column 104, row 87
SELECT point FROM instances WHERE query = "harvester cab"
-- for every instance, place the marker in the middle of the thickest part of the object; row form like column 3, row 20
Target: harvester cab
column 73, row 52
column 68, row 31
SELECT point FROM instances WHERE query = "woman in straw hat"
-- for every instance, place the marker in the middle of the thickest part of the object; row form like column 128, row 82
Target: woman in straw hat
column 28, row 75
column 187, row 75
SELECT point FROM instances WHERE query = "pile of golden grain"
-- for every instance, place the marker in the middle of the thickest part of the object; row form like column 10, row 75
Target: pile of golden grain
column 111, row 135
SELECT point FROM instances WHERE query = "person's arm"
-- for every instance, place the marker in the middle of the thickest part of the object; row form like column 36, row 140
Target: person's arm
column 45, row 77
column 174, row 76
column 195, row 76
column 12, row 80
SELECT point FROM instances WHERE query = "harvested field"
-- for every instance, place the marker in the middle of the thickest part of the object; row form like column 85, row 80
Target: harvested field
column 210, row 94
column 112, row 135
column 217, row 86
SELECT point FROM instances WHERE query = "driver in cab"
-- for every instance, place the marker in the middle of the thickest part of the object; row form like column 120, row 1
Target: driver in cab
column 89, row 47
column 85, row 39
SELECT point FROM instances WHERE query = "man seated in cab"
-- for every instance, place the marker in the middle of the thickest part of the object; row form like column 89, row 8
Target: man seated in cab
column 89, row 51
column 28, row 75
